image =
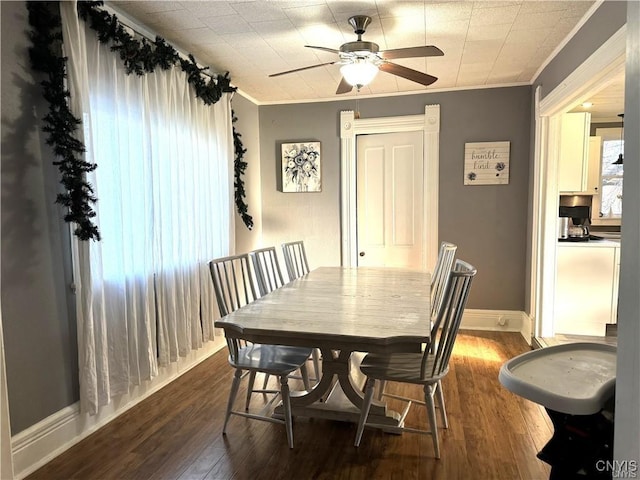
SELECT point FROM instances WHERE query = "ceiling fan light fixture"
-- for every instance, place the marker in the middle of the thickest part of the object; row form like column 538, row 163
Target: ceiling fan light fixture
column 359, row 73
column 360, row 60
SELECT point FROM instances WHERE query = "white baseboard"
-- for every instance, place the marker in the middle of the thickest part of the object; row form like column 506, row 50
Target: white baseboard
column 40, row 443
column 493, row 320
column 527, row 328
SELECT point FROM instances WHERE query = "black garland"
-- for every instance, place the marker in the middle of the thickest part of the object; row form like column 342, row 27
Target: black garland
column 239, row 167
column 59, row 123
column 139, row 57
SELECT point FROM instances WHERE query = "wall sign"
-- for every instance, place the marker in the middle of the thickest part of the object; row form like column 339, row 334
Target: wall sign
column 486, row 163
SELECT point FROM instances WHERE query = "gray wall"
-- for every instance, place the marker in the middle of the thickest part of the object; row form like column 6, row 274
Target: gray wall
column 312, row 217
column 247, row 125
column 39, row 327
column 605, row 21
column 487, row 222
column 595, row 126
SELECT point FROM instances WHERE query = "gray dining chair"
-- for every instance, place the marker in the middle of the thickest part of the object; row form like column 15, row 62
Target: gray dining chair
column 269, row 277
column 267, row 269
column 426, row 368
column 439, row 279
column 440, row 275
column 234, row 288
column 295, row 259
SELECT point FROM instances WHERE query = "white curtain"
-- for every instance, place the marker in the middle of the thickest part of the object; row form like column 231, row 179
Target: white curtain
column 164, row 184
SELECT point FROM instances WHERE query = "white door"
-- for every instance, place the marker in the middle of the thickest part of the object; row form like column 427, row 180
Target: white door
column 390, row 199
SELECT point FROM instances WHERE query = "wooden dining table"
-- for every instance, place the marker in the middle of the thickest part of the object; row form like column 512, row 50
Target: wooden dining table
column 345, row 312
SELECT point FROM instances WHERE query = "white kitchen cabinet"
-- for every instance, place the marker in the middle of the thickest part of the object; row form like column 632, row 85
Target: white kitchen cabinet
column 573, row 163
column 594, row 163
column 585, row 287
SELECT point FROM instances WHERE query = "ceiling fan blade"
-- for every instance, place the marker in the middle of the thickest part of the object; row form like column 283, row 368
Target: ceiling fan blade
column 332, row 50
column 409, row 52
column 344, row 87
column 302, row 68
column 408, row 73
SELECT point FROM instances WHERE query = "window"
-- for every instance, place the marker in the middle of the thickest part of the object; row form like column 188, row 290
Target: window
column 608, row 203
column 164, row 185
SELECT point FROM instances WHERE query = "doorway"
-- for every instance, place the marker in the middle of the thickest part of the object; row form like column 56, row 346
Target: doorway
column 593, row 75
column 350, row 127
column 389, row 199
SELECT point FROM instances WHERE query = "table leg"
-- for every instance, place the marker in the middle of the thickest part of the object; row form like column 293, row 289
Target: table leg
column 342, row 393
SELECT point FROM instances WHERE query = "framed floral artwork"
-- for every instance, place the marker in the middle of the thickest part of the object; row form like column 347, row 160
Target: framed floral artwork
column 301, row 167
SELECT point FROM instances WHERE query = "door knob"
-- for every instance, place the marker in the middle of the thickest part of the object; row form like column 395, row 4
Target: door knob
column 361, row 254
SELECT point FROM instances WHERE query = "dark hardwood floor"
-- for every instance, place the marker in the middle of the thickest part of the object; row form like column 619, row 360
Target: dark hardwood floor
column 176, row 433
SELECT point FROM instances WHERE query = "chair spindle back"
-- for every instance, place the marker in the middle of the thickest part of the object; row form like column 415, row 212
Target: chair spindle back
column 232, row 282
column 440, row 277
column 267, row 269
column 295, row 259
column 447, row 322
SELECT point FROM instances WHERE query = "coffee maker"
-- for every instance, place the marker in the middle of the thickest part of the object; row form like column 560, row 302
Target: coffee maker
column 573, row 223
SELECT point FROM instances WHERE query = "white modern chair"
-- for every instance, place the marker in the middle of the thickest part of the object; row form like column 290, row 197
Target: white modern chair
column 269, row 277
column 426, row 368
column 295, row 259
column 233, row 286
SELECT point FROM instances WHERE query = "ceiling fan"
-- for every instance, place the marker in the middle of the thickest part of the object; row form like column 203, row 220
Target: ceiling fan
column 361, row 60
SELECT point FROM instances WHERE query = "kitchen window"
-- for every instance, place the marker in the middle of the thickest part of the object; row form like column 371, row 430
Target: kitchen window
column 608, row 202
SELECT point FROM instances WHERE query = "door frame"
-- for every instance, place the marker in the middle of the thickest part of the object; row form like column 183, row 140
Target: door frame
column 350, row 127
column 591, row 76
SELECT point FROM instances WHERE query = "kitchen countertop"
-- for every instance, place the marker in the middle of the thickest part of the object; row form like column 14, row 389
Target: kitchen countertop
column 609, row 242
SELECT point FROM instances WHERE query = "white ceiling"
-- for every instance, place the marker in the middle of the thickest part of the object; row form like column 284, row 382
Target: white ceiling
column 485, row 43
column 608, row 103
